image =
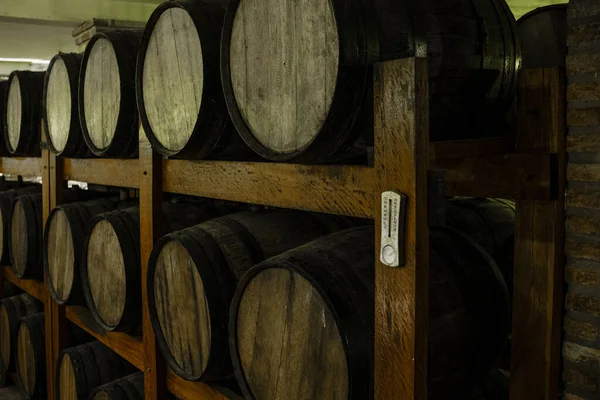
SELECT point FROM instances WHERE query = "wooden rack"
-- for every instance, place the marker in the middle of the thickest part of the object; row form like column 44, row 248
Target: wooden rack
column 532, row 172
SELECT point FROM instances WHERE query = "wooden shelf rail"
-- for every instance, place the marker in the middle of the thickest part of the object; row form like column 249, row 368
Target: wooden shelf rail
column 531, row 172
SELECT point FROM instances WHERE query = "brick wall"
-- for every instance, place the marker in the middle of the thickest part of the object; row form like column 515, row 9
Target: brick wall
column 581, row 348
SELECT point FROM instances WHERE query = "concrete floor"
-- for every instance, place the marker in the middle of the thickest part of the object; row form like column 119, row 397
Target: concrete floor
column 11, row 393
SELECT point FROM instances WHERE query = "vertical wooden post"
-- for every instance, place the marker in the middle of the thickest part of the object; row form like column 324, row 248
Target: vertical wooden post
column 401, row 294
column 150, row 231
column 52, row 195
column 539, row 252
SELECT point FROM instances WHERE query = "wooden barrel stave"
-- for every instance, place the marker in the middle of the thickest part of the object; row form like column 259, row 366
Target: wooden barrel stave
column 31, row 356
column 23, row 113
column 116, row 306
column 12, row 309
column 27, row 230
column 26, row 238
column 543, row 34
column 60, row 106
column 107, row 106
column 6, row 203
column 62, row 266
column 468, row 306
column 193, row 122
column 3, row 95
column 207, row 260
column 83, row 368
column 130, row 387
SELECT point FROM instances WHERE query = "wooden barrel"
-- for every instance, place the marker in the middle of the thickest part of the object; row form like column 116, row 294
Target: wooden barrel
column 6, row 208
column 107, row 107
column 301, row 102
column 301, row 323
column 26, row 236
column 3, row 94
column 491, row 223
column 192, row 275
column 63, row 242
column 83, row 368
column 543, row 34
column 23, row 113
column 12, row 310
column 110, row 265
column 130, row 387
column 31, row 356
column 27, row 231
column 179, row 85
column 60, row 106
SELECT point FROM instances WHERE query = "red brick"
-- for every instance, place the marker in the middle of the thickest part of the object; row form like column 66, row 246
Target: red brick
column 584, row 33
column 581, row 330
column 585, row 304
column 589, row 142
column 583, row 8
column 583, row 116
column 581, row 198
column 586, row 91
column 581, row 355
column 580, row 380
column 583, row 63
column 582, row 276
column 588, row 251
column 583, row 224
column 583, row 172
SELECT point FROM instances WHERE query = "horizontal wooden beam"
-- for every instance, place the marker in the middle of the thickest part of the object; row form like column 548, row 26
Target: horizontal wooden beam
column 35, row 288
column 471, row 147
column 509, row 176
column 344, row 190
column 127, row 346
column 191, row 390
column 24, row 166
column 101, row 171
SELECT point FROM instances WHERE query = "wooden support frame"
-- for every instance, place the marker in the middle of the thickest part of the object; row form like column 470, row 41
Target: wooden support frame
column 403, row 156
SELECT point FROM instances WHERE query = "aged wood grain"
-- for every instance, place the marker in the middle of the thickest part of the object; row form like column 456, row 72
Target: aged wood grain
column 288, row 340
column 67, row 385
column 11, row 311
column 151, row 193
column 347, row 190
column 284, row 65
column 18, row 239
column 173, row 78
column 26, row 360
column 26, row 167
column 102, row 93
column 14, row 106
column 182, row 308
column 58, row 105
column 401, row 296
column 113, row 172
column 5, row 337
column 61, row 255
column 539, row 245
column 106, row 272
